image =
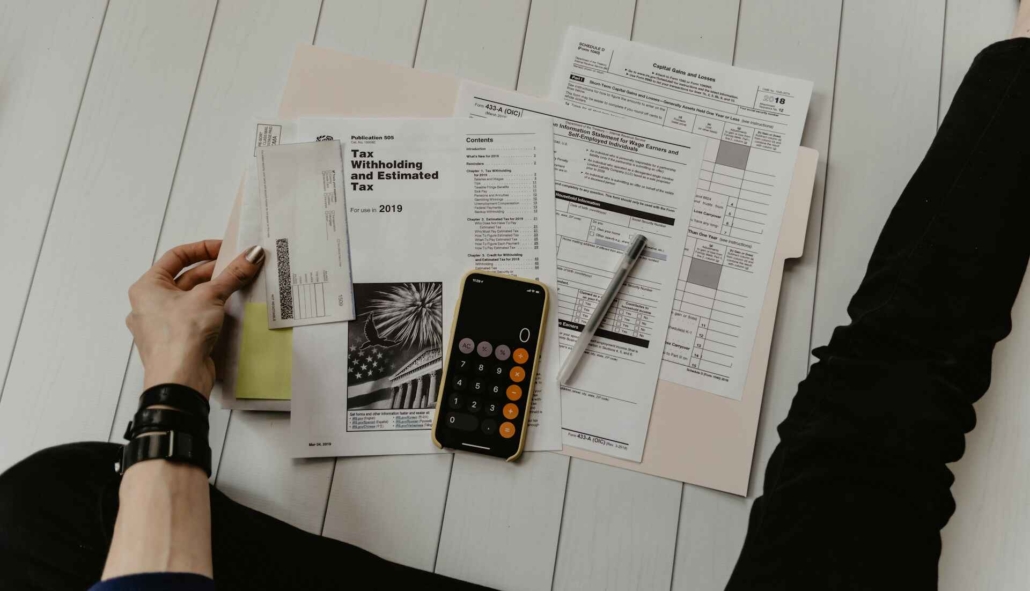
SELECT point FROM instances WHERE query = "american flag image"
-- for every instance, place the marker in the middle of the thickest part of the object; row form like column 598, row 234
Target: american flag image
column 392, row 342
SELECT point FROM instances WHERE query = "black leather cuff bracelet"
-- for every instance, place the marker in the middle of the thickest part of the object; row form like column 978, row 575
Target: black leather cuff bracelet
column 176, row 396
column 149, row 420
column 174, row 446
column 177, row 433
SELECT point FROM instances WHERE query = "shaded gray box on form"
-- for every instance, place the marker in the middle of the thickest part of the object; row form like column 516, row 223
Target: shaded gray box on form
column 732, row 155
column 704, row 273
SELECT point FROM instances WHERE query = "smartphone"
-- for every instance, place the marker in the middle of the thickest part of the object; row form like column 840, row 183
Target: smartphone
column 492, row 357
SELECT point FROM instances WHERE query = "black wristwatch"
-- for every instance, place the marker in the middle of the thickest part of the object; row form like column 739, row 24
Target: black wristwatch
column 177, row 446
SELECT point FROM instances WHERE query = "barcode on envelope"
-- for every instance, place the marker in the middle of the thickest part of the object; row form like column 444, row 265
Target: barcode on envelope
column 282, row 257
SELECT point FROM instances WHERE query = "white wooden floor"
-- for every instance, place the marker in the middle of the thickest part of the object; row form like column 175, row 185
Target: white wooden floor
column 123, row 131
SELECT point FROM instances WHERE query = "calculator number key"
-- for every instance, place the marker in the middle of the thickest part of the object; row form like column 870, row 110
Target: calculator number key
column 462, row 422
column 474, row 405
column 454, row 401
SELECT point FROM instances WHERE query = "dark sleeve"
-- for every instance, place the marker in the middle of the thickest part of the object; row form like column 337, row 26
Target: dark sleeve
column 156, row 582
column 858, row 489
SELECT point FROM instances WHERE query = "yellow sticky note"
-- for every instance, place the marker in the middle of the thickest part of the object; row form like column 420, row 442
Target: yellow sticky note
column 266, row 357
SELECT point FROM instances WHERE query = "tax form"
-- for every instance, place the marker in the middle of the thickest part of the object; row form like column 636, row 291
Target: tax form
column 613, row 179
column 751, row 123
column 427, row 200
column 305, row 234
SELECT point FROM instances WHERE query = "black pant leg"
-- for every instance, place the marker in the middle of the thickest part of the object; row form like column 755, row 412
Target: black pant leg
column 858, row 489
column 255, row 551
column 57, row 513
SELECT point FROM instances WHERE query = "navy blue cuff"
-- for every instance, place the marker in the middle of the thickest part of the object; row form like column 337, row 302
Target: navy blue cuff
column 156, row 582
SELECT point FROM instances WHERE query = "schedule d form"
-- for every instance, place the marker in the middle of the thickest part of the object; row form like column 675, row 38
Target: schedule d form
column 612, row 180
column 751, row 124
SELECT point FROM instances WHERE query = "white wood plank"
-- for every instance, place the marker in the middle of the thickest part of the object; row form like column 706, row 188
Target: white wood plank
column 674, row 26
column 884, row 118
column 812, row 27
column 704, row 562
column 387, row 30
column 991, row 522
column 618, row 529
column 245, row 67
column 45, row 54
column 548, row 20
column 257, row 471
column 476, row 39
column 600, row 544
column 391, row 506
column 701, row 28
column 984, row 543
column 510, row 544
column 72, row 350
column 501, row 524
column 969, row 26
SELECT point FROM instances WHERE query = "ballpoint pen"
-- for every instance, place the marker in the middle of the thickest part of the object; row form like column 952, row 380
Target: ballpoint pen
column 633, row 252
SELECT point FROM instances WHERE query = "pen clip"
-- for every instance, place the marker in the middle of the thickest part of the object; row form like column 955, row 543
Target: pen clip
column 636, row 248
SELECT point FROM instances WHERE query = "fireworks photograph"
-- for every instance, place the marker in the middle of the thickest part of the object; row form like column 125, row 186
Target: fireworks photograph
column 394, row 349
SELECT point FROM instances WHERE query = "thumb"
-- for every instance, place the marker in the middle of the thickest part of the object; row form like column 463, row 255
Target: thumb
column 240, row 272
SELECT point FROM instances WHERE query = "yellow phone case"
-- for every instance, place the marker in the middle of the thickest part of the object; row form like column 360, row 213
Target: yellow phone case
column 536, row 359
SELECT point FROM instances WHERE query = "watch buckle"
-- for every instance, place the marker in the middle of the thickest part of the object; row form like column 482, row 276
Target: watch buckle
column 120, row 466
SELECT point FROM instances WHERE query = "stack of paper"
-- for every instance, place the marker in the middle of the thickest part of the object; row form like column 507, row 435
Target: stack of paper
column 425, row 205
column 617, row 178
column 696, row 156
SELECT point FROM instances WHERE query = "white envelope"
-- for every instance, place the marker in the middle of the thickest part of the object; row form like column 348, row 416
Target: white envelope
column 304, row 223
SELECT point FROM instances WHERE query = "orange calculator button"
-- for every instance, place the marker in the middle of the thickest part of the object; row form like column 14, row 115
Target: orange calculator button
column 513, row 392
column 507, row 430
column 520, row 355
column 517, row 374
column 510, row 411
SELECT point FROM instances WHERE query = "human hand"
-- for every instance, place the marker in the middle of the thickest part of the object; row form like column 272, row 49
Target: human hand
column 176, row 318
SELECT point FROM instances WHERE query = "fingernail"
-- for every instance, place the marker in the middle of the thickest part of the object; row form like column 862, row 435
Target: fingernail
column 255, row 254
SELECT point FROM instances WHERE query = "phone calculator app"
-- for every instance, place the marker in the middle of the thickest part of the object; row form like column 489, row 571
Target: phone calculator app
column 490, row 365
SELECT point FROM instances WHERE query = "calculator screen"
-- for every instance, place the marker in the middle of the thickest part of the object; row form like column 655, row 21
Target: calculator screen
column 490, row 364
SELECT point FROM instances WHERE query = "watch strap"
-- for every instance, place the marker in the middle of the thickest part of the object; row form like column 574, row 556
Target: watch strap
column 149, row 420
column 174, row 446
column 176, row 396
